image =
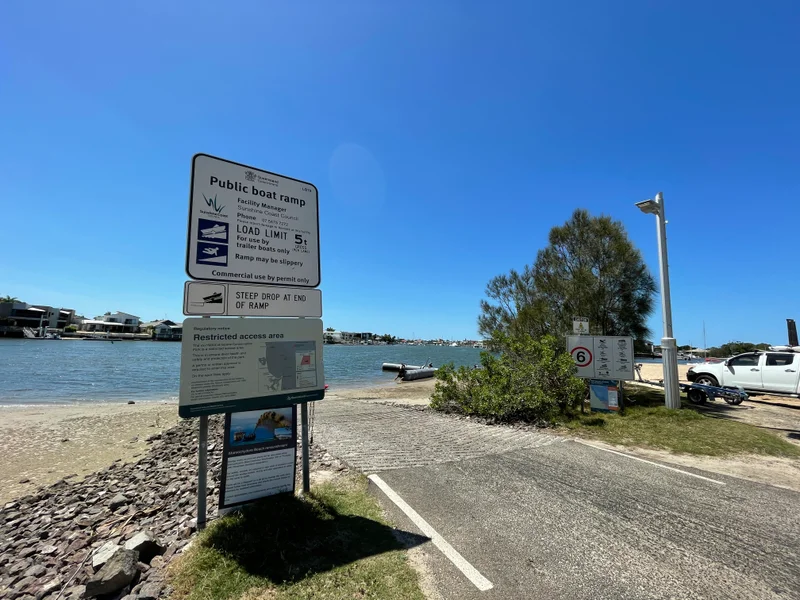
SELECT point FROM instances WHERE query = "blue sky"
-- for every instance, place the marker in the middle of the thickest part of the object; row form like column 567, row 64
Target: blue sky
column 445, row 139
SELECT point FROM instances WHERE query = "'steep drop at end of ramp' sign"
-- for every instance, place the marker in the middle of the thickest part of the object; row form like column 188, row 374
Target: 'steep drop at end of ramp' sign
column 238, row 300
column 251, row 226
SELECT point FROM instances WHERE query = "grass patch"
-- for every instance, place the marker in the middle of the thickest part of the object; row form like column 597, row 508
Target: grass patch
column 688, row 430
column 334, row 544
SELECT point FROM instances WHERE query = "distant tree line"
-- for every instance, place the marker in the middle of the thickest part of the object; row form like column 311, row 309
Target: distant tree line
column 732, row 348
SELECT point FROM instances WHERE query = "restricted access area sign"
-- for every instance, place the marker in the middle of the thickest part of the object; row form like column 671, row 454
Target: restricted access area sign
column 230, row 365
column 238, row 300
column 251, row 226
column 602, row 357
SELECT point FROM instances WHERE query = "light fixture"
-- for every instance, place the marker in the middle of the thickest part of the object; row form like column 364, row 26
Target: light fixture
column 650, row 207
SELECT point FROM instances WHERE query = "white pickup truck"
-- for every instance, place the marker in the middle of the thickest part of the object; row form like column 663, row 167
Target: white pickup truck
column 766, row 371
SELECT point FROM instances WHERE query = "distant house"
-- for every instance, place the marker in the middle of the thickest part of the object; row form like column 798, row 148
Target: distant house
column 118, row 322
column 22, row 314
column 346, row 337
column 332, row 337
column 164, row 330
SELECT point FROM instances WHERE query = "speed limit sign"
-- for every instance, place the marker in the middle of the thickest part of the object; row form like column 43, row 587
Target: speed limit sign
column 582, row 356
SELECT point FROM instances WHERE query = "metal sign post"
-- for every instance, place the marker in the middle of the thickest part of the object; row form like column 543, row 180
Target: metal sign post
column 253, row 241
column 306, row 465
column 202, row 472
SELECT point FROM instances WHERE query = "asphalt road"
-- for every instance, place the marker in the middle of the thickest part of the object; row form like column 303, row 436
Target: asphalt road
column 564, row 520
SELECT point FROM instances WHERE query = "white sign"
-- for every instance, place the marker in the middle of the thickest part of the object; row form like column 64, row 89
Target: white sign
column 251, row 226
column 580, row 325
column 239, row 300
column 230, row 365
column 602, row 356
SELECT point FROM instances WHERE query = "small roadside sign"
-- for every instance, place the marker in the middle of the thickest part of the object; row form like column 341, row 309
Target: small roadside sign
column 251, row 226
column 602, row 356
column 580, row 325
column 239, row 300
column 603, row 395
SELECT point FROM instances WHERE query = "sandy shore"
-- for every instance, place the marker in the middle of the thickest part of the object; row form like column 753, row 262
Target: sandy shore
column 413, row 392
column 43, row 444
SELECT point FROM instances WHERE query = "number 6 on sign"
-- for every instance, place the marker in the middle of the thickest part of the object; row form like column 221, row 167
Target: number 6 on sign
column 582, row 356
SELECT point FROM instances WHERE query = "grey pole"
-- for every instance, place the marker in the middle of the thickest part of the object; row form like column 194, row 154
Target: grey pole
column 306, row 466
column 669, row 350
column 202, row 472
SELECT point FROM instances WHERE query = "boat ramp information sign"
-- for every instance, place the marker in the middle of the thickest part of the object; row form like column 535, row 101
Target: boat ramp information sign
column 602, row 356
column 230, row 365
column 258, row 455
column 251, row 226
column 239, row 300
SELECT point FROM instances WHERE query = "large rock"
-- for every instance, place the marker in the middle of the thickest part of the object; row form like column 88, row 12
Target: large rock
column 103, row 553
column 117, row 501
column 146, row 544
column 118, row 572
column 47, row 587
column 149, row 591
column 35, row 571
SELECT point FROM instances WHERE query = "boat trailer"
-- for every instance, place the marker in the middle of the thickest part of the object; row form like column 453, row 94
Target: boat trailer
column 699, row 394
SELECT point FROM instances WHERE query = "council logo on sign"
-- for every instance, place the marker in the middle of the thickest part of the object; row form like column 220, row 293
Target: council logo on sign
column 250, row 175
column 213, row 204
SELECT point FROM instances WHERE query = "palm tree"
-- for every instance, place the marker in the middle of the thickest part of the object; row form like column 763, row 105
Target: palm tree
column 9, row 299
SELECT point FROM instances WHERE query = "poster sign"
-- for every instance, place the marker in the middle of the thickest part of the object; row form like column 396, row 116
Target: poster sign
column 251, row 226
column 603, row 395
column 240, row 300
column 258, row 455
column 580, row 325
column 232, row 365
column 602, row 356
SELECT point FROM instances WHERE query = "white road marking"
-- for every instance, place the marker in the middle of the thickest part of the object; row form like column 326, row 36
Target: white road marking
column 470, row 572
column 649, row 462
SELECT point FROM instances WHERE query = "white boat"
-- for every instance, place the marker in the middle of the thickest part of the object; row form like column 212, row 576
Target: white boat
column 216, row 232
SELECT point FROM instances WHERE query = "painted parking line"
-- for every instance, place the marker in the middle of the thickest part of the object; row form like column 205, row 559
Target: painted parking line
column 649, row 462
column 461, row 563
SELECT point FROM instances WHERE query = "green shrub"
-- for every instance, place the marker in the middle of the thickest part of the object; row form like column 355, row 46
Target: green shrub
column 532, row 380
column 70, row 328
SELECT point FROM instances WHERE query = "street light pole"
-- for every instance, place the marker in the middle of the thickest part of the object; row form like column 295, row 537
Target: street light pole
column 669, row 350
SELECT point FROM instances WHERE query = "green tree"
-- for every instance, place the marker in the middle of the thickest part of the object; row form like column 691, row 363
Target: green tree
column 9, row 299
column 589, row 268
column 329, row 329
column 389, row 339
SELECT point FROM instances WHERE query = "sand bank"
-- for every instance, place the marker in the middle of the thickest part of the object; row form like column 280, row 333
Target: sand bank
column 42, row 444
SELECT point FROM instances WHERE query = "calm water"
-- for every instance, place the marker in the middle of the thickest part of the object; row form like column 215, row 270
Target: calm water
column 66, row 371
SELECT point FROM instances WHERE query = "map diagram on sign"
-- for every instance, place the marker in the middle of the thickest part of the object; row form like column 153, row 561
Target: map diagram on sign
column 287, row 366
